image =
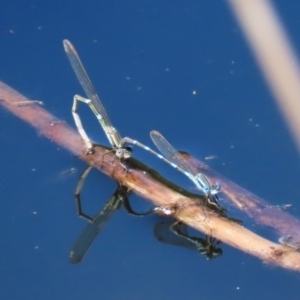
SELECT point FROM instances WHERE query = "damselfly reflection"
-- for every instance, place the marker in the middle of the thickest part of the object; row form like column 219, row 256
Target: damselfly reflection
column 92, row 230
column 167, row 232
column 119, row 197
column 176, row 234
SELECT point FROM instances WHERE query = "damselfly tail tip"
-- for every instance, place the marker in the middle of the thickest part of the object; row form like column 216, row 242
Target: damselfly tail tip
column 74, row 259
column 153, row 132
column 68, row 45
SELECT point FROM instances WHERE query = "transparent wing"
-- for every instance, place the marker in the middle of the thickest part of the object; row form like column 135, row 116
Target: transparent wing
column 92, row 230
column 85, row 81
column 170, row 153
column 88, row 235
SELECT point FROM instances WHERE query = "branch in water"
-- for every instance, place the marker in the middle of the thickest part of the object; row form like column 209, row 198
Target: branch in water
column 150, row 185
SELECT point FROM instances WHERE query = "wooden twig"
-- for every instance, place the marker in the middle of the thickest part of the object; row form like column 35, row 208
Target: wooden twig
column 150, row 185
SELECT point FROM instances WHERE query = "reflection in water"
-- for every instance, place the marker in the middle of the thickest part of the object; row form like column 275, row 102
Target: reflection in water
column 97, row 223
column 176, row 234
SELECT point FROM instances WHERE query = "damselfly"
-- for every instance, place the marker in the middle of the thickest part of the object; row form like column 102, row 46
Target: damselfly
column 93, row 101
column 176, row 160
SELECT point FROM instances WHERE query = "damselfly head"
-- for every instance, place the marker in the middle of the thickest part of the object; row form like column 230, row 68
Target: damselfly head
column 129, row 148
column 215, row 188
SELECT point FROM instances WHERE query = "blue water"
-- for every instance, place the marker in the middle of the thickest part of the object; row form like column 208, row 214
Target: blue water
column 145, row 59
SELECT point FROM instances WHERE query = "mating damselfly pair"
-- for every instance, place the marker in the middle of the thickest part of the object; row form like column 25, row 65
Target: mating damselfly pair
column 175, row 234
column 169, row 154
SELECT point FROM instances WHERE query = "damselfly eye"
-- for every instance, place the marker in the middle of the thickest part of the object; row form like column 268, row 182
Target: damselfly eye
column 129, row 149
column 217, row 186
